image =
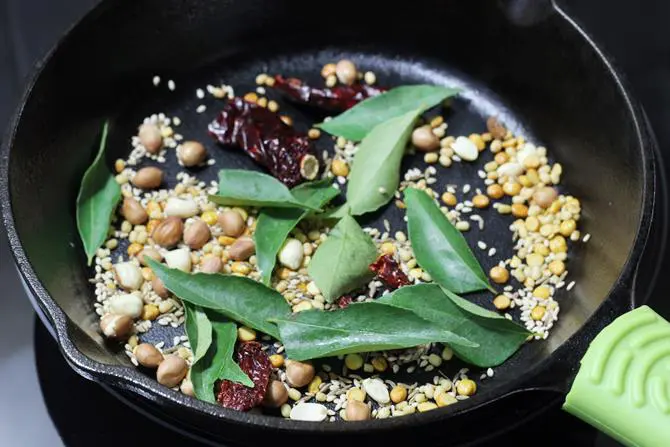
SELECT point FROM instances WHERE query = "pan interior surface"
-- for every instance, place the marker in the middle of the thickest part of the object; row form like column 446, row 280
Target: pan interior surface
column 541, row 80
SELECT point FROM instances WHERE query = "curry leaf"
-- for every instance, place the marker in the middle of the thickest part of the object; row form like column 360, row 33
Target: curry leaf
column 97, row 199
column 198, row 329
column 251, row 188
column 217, row 363
column 238, row 298
column 357, row 122
column 361, row 327
column 440, row 248
column 375, row 173
column 341, row 263
column 498, row 338
column 275, row 224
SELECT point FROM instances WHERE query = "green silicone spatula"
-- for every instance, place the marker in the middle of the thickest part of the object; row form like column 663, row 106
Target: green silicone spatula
column 623, row 384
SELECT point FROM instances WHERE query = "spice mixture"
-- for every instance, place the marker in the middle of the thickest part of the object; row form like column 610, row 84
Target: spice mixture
column 182, row 227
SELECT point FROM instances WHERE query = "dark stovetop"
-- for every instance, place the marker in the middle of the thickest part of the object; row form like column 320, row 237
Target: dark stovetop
column 43, row 398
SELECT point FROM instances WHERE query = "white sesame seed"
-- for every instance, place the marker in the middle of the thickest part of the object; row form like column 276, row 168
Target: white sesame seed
column 480, row 221
column 156, row 80
column 171, row 85
column 586, row 238
column 201, row 108
column 570, row 286
column 492, row 251
column 200, row 93
column 381, row 190
column 489, row 372
column 481, row 245
column 466, row 188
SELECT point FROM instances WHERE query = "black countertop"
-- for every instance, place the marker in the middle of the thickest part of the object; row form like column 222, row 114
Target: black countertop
column 44, row 403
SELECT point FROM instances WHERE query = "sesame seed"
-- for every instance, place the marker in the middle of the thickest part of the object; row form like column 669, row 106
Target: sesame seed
column 200, row 93
column 492, row 251
column 586, row 238
column 570, row 286
column 156, row 80
column 201, row 108
column 480, row 221
column 481, row 245
column 466, row 188
column 171, row 85
column 381, row 190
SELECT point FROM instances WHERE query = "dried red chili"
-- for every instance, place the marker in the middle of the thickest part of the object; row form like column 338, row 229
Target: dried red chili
column 388, row 270
column 338, row 98
column 256, row 364
column 266, row 139
column 344, row 301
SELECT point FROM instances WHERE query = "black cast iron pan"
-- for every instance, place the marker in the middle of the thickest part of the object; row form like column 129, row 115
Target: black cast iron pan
column 528, row 63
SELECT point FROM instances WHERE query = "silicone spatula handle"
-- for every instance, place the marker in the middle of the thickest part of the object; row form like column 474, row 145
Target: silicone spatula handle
column 623, row 384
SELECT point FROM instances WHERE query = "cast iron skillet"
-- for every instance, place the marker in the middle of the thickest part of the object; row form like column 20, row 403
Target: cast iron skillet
column 528, row 63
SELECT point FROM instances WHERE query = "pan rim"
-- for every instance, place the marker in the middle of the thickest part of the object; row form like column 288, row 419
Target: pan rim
column 128, row 378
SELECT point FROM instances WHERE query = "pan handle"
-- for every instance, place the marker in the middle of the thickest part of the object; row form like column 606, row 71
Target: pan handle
column 623, row 385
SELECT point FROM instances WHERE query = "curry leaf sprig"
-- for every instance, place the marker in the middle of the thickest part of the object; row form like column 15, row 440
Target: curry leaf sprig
column 98, row 196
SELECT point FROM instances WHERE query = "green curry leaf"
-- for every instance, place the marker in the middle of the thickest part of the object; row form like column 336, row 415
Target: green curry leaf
column 198, row 329
column 238, row 298
column 440, row 248
column 361, row 327
column 217, row 361
column 375, row 174
column 275, row 224
column 239, row 187
column 498, row 338
column 358, row 121
column 98, row 196
column 341, row 263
